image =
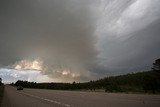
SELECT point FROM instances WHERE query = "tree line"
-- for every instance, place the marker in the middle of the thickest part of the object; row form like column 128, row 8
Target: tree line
column 135, row 82
column 146, row 82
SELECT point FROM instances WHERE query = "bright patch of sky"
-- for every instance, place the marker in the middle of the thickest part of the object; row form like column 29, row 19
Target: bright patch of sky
column 12, row 75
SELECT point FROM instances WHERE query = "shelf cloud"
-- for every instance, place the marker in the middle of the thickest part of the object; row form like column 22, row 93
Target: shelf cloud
column 73, row 40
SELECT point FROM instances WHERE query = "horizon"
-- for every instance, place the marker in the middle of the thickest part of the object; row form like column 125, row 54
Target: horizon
column 14, row 81
column 72, row 40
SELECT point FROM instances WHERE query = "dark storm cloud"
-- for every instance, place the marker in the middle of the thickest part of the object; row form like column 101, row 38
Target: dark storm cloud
column 80, row 39
column 133, row 54
column 130, row 41
column 59, row 32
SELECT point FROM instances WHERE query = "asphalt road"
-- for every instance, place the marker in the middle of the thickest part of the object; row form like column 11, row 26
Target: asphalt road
column 53, row 98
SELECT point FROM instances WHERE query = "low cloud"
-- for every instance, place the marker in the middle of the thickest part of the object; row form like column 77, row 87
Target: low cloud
column 59, row 33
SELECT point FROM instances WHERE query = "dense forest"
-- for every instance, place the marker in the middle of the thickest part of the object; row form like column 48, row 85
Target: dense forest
column 148, row 82
column 143, row 82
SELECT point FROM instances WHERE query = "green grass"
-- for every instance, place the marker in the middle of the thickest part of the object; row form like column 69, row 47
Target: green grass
column 1, row 93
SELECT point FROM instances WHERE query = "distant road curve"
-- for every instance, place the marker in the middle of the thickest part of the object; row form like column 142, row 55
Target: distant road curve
column 54, row 98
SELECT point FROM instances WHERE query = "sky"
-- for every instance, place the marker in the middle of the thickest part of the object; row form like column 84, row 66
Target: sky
column 77, row 40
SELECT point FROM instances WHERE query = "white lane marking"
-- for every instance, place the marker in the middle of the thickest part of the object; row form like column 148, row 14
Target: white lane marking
column 45, row 99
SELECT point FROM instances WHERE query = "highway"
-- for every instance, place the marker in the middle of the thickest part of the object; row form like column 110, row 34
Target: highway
column 54, row 98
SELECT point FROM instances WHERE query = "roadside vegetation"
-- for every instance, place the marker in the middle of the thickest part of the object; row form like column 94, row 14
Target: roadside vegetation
column 141, row 82
column 1, row 90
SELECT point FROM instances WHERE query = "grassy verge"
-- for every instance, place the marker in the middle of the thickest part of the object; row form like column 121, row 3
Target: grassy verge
column 1, row 93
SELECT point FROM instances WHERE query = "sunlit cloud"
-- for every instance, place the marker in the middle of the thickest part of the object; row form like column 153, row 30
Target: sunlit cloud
column 28, row 65
column 60, row 73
